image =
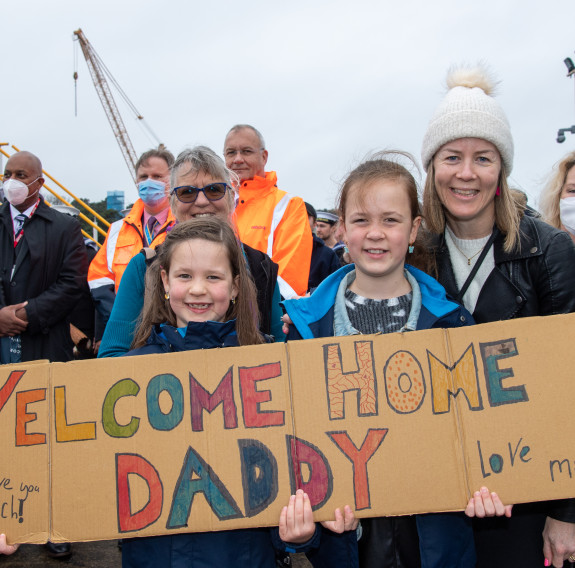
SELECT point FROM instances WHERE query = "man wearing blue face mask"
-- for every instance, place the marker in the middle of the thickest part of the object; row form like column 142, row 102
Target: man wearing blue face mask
column 144, row 226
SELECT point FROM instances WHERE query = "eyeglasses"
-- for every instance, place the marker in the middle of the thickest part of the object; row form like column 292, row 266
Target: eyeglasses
column 244, row 152
column 189, row 193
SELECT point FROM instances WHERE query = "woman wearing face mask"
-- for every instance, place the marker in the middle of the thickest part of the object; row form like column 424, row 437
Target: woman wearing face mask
column 502, row 265
column 201, row 186
column 558, row 198
column 144, row 226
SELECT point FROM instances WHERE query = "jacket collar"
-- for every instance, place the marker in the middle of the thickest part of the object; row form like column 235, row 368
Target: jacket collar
column 197, row 335
column 529, row 243
column 427, row 292
column 134, row 217
column 258, row 186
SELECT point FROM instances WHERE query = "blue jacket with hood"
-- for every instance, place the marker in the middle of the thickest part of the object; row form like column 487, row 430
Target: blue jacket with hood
column 390, row 542
column 225, row 549
column 323, row 314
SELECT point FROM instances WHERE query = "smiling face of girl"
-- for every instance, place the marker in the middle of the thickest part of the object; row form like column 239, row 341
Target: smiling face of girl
column 199, row 281
column 379, row 227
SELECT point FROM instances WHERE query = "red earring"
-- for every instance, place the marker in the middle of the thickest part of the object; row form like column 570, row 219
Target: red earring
column 498, row 192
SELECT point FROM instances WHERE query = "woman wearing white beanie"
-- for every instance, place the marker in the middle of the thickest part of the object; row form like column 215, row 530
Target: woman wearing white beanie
column 501, row 264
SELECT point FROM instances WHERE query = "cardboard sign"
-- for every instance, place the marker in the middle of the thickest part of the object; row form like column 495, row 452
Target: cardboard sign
column 219, row 439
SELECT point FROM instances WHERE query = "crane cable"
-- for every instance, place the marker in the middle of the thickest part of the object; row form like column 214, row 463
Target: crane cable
column 75, row 56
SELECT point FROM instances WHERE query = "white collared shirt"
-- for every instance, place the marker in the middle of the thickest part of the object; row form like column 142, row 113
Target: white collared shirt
column 14, row 212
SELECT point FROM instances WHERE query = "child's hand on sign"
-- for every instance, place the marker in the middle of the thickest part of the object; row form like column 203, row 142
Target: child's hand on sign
column 343, row 522
column 296, row 520
column 286, row 322
column 486, row 504
column 7, row 548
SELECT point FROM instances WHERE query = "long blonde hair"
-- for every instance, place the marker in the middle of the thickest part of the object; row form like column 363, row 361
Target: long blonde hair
column 551, row 194
column 157, row 309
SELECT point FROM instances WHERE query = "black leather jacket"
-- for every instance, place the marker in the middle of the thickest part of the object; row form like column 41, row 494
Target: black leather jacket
column 537, row 279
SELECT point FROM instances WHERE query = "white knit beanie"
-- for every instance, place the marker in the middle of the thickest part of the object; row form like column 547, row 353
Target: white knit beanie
column 469, row 111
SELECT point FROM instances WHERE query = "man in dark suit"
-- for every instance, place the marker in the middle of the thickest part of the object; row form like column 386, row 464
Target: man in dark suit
column 43, row 272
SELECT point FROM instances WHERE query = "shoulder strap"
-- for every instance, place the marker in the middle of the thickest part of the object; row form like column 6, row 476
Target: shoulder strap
column 149, row 254
column 477, row 266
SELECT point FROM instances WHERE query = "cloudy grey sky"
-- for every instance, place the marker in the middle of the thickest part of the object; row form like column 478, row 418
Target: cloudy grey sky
column 325, row 81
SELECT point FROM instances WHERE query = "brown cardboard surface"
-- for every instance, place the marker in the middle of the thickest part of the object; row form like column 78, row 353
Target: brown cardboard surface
column 414, row 453
column 25, row 465
column 521, row 442
column 390, row 424
column 253, row 424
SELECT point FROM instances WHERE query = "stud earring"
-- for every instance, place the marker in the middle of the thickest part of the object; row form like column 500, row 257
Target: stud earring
column 233, row 300
column 167, row 295
column 498, row 192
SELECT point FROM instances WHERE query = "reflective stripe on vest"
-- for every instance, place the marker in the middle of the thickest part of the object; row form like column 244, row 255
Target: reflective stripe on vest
column 112, row 241
column 99, row 282
column 287, row 292
column 279, row 211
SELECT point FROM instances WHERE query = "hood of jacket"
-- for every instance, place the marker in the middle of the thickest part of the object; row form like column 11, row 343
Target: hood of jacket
column 198, row 335
column 305, row 311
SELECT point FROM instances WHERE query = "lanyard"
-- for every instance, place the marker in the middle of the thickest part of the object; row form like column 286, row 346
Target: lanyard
column 18, row 236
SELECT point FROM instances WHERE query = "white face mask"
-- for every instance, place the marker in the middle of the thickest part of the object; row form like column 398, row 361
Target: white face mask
column 567, row 213
column 16, row 192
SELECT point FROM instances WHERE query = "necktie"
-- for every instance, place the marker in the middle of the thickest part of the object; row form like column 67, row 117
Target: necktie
column 19, row 220
column 151, row 228
column 18, row 228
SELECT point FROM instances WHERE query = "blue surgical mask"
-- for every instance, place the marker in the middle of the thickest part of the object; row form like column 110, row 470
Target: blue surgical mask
column 152, row 191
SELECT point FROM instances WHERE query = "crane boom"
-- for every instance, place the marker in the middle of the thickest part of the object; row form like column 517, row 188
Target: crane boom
column 96, row 68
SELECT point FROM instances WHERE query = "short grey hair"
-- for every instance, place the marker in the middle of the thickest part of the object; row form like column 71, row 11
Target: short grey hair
column 201, row 159
column 253, row 129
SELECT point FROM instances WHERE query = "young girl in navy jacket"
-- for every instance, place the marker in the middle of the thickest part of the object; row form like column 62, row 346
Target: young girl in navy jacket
column 199, row 295
column 380, row 293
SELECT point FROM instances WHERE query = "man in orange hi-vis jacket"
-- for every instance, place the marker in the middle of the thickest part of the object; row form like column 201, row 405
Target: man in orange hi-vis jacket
column 269, row 219
column 144, row 226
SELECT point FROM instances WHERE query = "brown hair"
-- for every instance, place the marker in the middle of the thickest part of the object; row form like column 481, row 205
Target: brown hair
column 157, row 309
column 551, row 194
column 160, row 152
column 384, row 166
column 508, row 209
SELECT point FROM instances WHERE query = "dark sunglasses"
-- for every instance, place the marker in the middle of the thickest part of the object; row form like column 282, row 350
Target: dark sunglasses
column 189, row 193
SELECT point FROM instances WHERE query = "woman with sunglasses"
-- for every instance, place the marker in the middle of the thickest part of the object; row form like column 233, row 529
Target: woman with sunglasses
column 201, row 185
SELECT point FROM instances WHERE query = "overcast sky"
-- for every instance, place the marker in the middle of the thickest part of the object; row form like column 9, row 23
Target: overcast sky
column 325, row 81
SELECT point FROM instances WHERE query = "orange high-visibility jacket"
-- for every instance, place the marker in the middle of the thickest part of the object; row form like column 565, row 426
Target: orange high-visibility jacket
column 272, row 221
column 125, row 239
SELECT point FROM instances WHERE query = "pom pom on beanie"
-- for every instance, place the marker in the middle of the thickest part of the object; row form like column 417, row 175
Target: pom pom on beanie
column 469, row 110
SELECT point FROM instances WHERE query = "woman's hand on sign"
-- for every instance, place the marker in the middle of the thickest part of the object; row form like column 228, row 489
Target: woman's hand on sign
column 7, row 548
column 296, row 520
column 487, row 504
column 345, row 521
column 558, row 542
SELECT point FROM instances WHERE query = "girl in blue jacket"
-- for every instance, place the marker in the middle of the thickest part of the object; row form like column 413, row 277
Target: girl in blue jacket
column 199, row 296
column 380, row 293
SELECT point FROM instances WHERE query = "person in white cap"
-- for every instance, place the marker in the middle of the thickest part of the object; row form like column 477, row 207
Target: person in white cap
column 501, row 264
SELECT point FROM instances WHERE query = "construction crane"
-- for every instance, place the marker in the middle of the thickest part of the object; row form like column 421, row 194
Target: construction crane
column 100, row 75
